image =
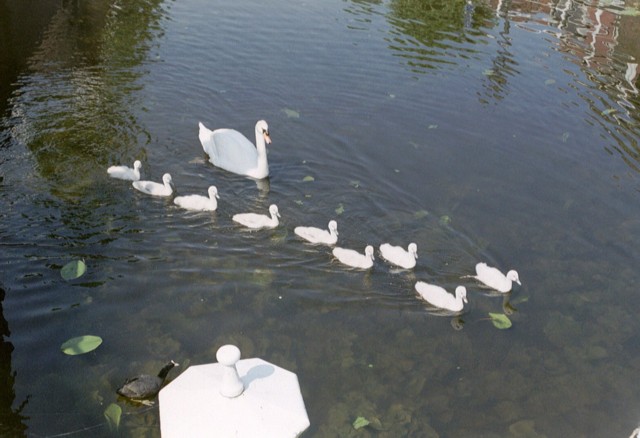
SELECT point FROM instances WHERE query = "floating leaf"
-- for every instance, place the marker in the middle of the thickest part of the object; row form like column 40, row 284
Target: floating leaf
column 340, row 209
column 432, row 126
column 73, row 270
column 308, row 178
column 292, row 114
column 355, row 183
column 500, row 320
column 608, row 111
column 565, row 137
column 445, row 220
column 489, row 72
column 360, row 422
column 113, row 414
column 81, row 345
column 550, row 82
column 298, row 201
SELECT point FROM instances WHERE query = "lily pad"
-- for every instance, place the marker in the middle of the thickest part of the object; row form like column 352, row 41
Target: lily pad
column 73, row 270
column 113, row 414
column 340, row 209
column 500, row 320
column 81, row 345
column 360, row 422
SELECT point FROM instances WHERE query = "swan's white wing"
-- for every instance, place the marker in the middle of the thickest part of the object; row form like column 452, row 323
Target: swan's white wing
column 386, row 248
column 194, row 202
column 305, row 232
column 345, row 255
column 436, row 295
column 152, row 188
column 229, row 150
column 247, row 218
column 148, row 187
column 397, row 255
column 352, row 258
column 255, row 220
column 312, row 234
column 123, row 172
column 492, row 277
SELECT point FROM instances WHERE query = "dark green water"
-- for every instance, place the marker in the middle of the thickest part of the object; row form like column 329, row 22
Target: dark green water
column 505, row 133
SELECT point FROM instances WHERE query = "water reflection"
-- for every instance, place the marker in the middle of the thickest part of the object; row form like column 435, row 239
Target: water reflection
column 74, row 108
column 603, row 43
column 435, row 33
column 596, row 36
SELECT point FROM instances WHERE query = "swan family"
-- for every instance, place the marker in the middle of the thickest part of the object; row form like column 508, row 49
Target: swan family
column 228, row 149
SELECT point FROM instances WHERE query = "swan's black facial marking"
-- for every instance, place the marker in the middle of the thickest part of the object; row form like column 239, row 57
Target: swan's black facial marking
column 266, row 136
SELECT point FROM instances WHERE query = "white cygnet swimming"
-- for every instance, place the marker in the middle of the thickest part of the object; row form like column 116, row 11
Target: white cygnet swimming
column 257, row 221
column 232, row 151
column 439, row 297
column 154, row 188
column 493, row 278
column 353, row 258
column 399, row 256
column 318, row 235
column 199, row 202
column 126, row 173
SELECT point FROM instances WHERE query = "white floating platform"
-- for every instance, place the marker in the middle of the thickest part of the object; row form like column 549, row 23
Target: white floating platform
column 265, row 402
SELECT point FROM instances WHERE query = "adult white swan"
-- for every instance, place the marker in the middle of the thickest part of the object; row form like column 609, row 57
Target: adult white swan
column 493, row 278
column 232, row 151
column 399, row 256
column 317, row 235
column 353, row 258
column 257, row 221
column 125, row 172
column 154, row 188
column 199, row 202
column 439, row 297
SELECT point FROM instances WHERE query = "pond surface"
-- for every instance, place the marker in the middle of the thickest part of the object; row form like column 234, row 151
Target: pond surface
column 504, row 132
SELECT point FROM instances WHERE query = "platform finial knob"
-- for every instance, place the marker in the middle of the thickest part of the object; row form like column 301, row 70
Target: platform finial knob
column 231, row 385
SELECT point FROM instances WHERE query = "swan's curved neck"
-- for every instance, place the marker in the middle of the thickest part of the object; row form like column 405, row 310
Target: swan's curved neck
column 262, row 151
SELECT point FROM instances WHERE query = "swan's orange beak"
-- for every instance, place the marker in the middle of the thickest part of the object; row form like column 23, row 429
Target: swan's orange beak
column 267, row 139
